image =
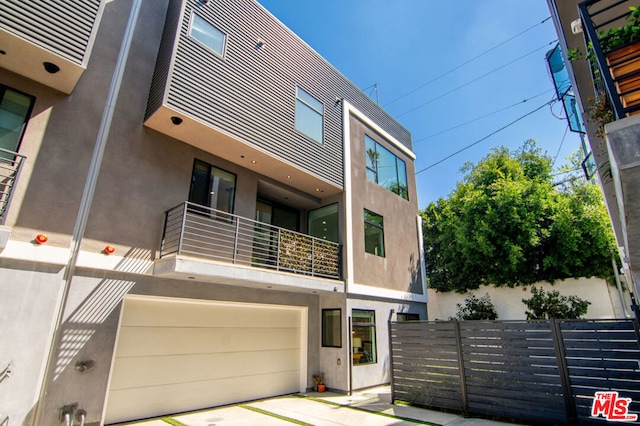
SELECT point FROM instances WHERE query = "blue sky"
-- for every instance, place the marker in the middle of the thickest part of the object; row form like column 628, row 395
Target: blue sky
column 404, row 44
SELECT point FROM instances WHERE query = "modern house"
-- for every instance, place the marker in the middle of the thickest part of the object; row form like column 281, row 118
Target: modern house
column 599, row 43
column 196, row 209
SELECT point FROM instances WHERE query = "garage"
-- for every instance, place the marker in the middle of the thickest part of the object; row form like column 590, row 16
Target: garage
column 176, row 355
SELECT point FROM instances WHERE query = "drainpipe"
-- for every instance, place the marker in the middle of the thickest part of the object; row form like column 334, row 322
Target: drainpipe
column 620, row 292
column 87, row 198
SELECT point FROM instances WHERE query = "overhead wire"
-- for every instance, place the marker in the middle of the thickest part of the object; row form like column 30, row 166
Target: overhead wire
column 481, row 117
column 483, row 139
column 465, row 63
column 560, row 147
column 474, row 80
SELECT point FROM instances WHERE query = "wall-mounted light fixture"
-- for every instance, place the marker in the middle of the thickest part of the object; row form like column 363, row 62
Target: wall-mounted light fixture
column 176, row 120
column 50, row 67
column 41, row 238
column 260, row 43
column 83, row 366
column 109, row 249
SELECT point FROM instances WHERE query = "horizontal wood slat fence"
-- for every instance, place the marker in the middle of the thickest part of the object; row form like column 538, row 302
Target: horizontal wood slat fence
column 529, row 371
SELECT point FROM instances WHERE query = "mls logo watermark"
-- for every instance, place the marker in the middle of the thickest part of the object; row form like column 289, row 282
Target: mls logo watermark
column 612, row 407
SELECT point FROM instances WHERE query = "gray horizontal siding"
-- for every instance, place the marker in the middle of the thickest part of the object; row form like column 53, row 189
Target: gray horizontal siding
column 64, row 27
column 251, row 92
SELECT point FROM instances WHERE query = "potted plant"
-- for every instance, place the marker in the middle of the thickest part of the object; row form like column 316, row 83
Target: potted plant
column 318, row 382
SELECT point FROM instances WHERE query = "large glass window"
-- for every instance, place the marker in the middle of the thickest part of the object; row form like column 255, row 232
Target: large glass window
column 323, row 222
column 207, row 34
column 212, row 187
column 309, row 115
column 15, row 109
column 363, row 339
column 332, row 328
column 373, row 233
column 385, row 169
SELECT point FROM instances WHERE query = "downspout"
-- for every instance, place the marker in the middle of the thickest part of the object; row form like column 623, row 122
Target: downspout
column 620, row 292
column 87, row 199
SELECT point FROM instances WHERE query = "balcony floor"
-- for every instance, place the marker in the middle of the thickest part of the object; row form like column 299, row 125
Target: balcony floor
column 197, row 269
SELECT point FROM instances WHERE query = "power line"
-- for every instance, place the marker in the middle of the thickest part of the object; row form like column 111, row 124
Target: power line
column 475, row 79
column 465, row 63
column 482, row 139
column 481, row 117
column 560, row 147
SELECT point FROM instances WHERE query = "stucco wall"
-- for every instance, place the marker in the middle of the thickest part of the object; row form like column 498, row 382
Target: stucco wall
column 400, row 268
column 604, row 298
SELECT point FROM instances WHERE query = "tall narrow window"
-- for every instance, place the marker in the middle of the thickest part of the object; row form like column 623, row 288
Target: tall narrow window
column 363, row 340
column 373, row 233
column 309, row 115
column 323, row 222
column 15, row 110
column 332, row 328
column 207, row 34
column 385, row 168
column 212, row 187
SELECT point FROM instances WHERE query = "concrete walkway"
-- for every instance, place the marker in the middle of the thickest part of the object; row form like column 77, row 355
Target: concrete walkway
column 370, row 407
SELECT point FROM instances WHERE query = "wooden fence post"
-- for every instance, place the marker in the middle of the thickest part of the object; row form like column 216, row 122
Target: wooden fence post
column 563, row 370
column 461, row 371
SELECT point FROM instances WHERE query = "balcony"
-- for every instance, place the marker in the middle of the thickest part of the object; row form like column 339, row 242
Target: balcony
column 612, row 34
column 10, row 165
column 196, row 232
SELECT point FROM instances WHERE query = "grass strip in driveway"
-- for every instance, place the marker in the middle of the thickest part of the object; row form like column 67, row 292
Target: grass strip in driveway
column 277, row 416
column 379, row 413
column 172, row 421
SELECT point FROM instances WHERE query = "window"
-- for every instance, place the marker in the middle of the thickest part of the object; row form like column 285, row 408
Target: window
column 363, row 341
column 332, row 328
column 323, row 223
column 373, row 233
column 385, row 169
column 207, row 34
column 212, row 187
column 15, row 110
column 309, row 115
column 408, row 317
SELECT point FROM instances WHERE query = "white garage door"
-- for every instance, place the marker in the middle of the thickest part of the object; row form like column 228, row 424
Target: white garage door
column 174, row 355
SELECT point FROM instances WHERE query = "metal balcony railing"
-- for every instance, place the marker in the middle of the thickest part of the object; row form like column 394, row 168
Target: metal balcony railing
column 199, row 231
column 611, row 34
column 10, row 166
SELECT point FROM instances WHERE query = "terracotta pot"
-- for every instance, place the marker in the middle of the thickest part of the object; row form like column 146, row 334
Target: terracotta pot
column 320, row 388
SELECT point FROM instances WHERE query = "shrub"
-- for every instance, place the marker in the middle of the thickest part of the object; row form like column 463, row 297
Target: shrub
column 545, row 305
column 477, row 309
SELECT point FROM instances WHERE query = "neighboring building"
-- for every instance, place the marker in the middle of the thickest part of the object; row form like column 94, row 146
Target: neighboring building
column 218, row 222
column 606, row 90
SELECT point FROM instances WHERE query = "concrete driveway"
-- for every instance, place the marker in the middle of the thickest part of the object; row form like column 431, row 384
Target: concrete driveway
column 370, row 407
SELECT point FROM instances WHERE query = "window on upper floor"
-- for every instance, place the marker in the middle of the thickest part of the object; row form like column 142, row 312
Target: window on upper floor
column 212, row 187
column 363, row 340
column 332, row 328
column 373, row 233
column 309, row 115
column 385, row 169
column 15, row 110
column 207, row 34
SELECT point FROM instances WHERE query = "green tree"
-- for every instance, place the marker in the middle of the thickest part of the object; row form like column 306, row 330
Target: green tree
column 475, row 308
column 507, row 223
column 546, row 305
